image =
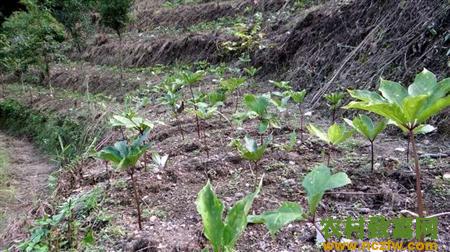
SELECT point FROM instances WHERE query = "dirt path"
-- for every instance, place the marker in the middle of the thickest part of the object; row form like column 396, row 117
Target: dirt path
column 28, row 172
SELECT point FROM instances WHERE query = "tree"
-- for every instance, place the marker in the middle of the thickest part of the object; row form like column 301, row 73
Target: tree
column 74, row 15
column 409, row 109
column 114, row 14
column 34, row 36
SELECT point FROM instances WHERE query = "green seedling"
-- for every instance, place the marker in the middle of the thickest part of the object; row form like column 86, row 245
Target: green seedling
column 336, row 134
column 298, row 97
column 366, row 127
column 172, row 98
column 124, row 157
column 232, row 87
column 290, row 146
column 204, row 111
column 407, row 108
column 258, row 108
column 223, row 234
column 132, row 122
column 250, row 150
column 251, row 71
column 189, row 79
column 282, row 85
column 316, row 183
column 334, row 101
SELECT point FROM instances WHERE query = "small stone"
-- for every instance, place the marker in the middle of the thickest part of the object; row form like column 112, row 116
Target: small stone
column 158, row 177
column 239, row 195
column 291, row 162
column 247, row 184
column 153, row 218
column 446, row 177
column 400, row 149
column 364, row 210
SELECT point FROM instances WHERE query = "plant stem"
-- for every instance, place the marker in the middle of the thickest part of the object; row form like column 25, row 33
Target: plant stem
column 179, row 127
column 420, row 204
column 333, row 118
column 205, row 142
column 196, row 116
column 329, row 156
column 136, row 197
column 301, row 123
column 371, row 154
column 407, row 152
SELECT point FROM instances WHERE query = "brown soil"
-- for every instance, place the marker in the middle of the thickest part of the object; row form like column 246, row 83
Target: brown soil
column 152, row 15
column 349, row 44
column 28, row 171
column 142, row 52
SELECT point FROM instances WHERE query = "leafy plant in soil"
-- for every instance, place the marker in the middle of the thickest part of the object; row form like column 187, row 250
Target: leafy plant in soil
column 124, row 156
column 335, row 135
column 250, row 150
column 130, row 121
column 231, row 86
column 204, row 111
column 407, row 108
column 258, row 108
column 173, row 99
column 189, row 79
column 334, row 101
column 369, row 129
column 223, row 234
column 69, row 219
column 316, row 183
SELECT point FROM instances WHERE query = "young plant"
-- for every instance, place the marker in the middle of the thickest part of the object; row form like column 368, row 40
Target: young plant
column 334, row 101
column 131, row 121
column 251, row 71
column 316, row 183
column 189, row 79
column 172, row 98
column 250, row 150
column 336, row 134
column 223, row 234
column 204, row 111
column 232, row 87
column 288, row 147
column 299, row 97
column 409, row 109
column 258, row 108
column 124, row 157
column 366, row 127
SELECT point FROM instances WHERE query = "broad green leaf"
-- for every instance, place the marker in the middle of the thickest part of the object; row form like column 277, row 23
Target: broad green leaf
column 394, row 92
column 320, row 180
column 366, row 127
column 314, row 130
column 210, row 209
column 338, row 134
column 298, row 96
column 434, row 109
column 366, row 96
column 275, row 220
column 236, row 220
column 257, row 104
column 424, row 84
